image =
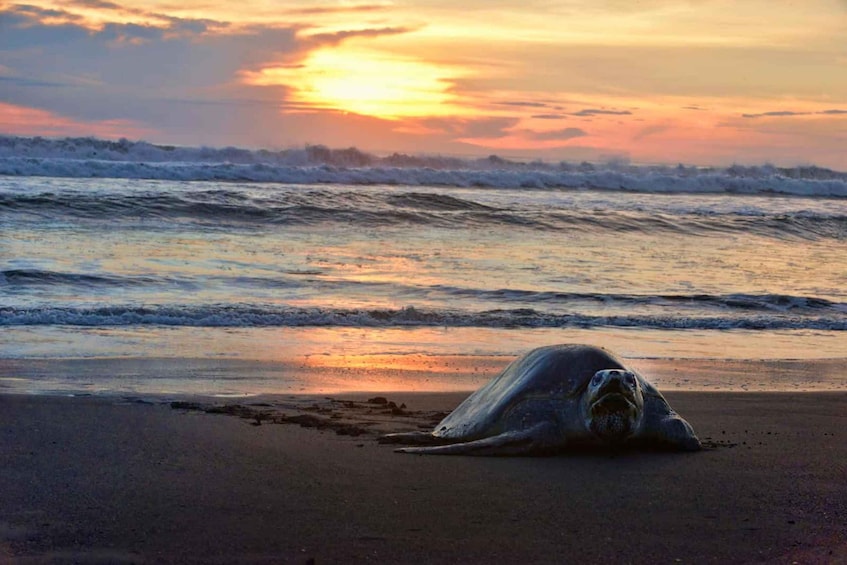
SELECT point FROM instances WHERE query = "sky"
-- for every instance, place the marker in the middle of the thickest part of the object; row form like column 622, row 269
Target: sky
column 699, row 82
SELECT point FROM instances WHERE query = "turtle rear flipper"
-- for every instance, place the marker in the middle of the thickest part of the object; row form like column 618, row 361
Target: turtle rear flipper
column 413, row 438
column 529, row 441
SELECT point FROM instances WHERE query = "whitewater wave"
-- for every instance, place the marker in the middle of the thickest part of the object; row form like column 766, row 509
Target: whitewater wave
column 91, row 158
column 255, row 316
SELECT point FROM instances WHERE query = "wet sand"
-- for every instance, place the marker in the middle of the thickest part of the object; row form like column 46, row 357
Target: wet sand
column 302, row 479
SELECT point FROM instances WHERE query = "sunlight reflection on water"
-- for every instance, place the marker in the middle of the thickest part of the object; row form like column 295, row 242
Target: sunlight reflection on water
column 275, row 361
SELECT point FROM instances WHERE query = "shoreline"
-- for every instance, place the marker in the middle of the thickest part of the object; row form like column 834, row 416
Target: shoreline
column 108, row 479
column 380, row 373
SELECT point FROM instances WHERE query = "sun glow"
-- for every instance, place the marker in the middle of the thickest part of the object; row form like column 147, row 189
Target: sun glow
column 366, row 82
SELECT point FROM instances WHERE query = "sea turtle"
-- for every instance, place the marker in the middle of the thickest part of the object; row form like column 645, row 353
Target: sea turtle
column 553, row 398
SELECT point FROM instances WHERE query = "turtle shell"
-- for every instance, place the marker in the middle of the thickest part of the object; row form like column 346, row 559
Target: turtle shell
column 555, row 375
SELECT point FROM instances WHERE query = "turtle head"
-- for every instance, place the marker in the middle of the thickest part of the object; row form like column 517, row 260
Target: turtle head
column 613, row 404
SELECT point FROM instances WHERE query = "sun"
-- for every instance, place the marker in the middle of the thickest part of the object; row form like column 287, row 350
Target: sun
column 366, row 82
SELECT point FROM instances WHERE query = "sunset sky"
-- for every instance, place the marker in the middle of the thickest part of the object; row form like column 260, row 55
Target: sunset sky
column 707, row 82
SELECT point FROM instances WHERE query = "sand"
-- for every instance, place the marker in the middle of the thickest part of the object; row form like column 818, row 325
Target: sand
column 111, row 480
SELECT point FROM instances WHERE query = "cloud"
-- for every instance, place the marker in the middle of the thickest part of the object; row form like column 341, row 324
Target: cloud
column 343, row 9
column 649, row 131
column 549, row 117
column 554, row 135
column 179, row 77
column 23, row 27
column 170, row 23
column 96, row 4
column 780, row 113
column 172, row 56
column 596, row 112
column 21, row 81
column 38, row 13
column 131, row 33
column 170, row 76
column 478, row 128
column 340, row 36
column 788, row 113
column 22, row 120
column 524, row 104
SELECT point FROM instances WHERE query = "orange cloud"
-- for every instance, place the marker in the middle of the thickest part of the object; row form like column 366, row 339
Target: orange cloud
column 390, row 75
column 22, row 120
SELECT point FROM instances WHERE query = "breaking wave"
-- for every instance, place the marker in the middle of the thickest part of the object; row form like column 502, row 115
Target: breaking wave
column 89, row 157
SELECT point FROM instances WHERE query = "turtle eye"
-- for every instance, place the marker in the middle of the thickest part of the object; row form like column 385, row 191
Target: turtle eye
column 630, row 378
column 598, row 378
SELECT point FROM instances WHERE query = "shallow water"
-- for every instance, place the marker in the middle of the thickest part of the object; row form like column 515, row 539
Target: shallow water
column 249, row 361
column 132, row 269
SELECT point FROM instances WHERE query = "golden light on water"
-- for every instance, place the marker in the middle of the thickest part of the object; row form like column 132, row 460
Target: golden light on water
column 410, row 362
column 365, row 82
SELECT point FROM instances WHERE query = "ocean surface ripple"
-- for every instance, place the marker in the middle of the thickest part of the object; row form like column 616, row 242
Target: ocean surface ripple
column 132, row 249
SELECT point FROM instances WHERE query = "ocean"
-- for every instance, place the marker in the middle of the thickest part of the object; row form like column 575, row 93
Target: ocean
column 127, row 267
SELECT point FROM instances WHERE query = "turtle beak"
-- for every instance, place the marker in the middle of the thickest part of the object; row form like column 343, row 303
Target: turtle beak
column 615, row 394
column 615, row 384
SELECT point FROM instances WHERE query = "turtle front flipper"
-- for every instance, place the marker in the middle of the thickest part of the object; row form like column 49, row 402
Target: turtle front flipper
column 530, row 441
column 673, row 432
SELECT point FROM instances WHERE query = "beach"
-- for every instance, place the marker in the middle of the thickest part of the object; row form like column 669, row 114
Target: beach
column 303, row 479
column 198, row 356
